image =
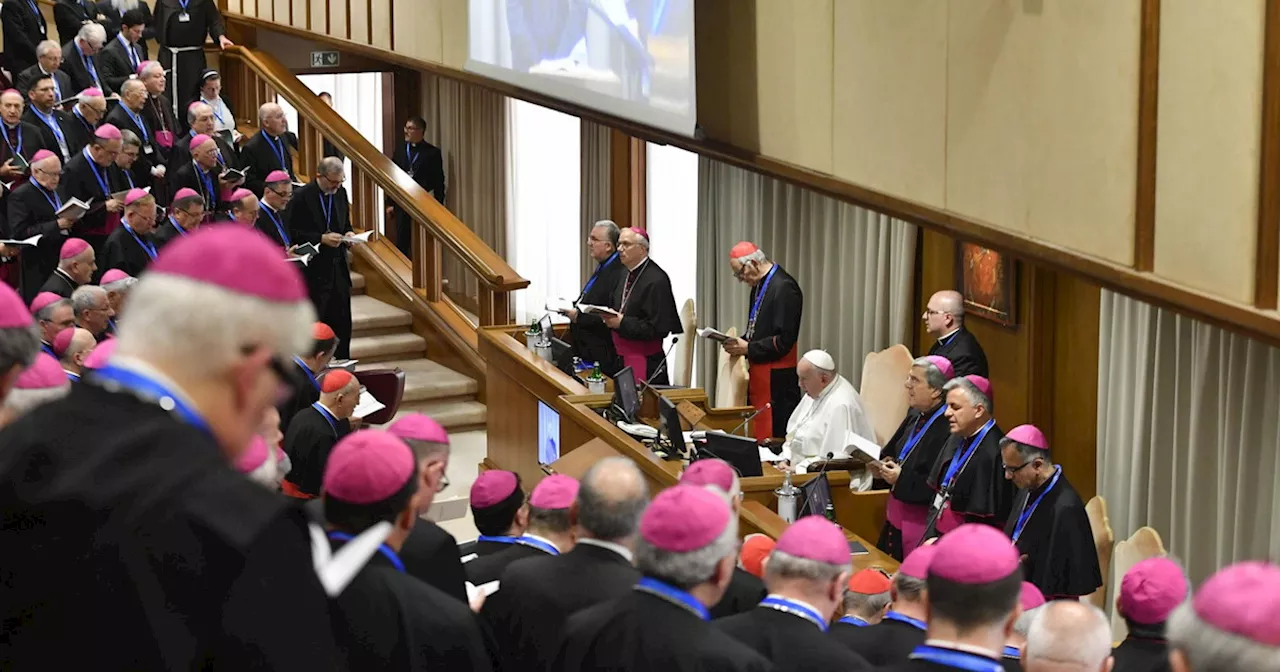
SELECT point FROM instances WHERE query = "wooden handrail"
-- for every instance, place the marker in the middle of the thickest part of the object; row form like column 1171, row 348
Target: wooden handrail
column 430, row 217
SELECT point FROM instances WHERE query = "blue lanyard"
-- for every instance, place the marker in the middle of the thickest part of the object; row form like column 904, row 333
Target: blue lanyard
column 328, row 211
column 854, row 621
column 795, row 609
column 80, row 115
column 1026, row 513
column 176, row 225
column 152, row 391
column 278, row 151
column 147, row 247
column 12, row 150
column 670, row 593
column 903, row 618
column 216, row 114
column 755, row 307
column 960, row 460
column 36, row 11
column 384, row 549
column 102, row 180
column 133, row 55
column 410, row 157
column 52, row 122
column 137, row 120
column 206, row 181
column 307, row 370
column 538, row 544
column 45, row 346
column 328, row 417
column 497, row 539
column 279, row 226
column 915, row 438
column 952, row 337
column 184, row 4
column 960, row 660
column 93, row 71
column 54, row 199
column 1012, row 652
column 599, row 270
column 73, row 377
column 128, row 176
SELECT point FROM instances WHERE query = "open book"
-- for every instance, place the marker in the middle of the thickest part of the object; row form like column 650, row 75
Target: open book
column 233, row 175
column 32, row 241
column 119, row 195
column 74, row 208
column 559, row 305
column 367, row 406
column 358, row 238
column 603, row 310
column 304, row 259
column 305, row 249
column 348, row 364
column 714, row 334
column 861, row 450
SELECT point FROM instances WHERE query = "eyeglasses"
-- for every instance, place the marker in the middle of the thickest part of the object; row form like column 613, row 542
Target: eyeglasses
column 930, row 311
column 1009, row 471
column 623, row 245
column 742, row 270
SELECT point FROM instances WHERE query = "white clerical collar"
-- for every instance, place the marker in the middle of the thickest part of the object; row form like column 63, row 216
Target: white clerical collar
column 138, row 366
column 637, row 266
column 949, row 334
column 609, row 546
column 979, row 429
column 330, row 410
column 543, row 540
column 268, row 206
column 968, row 648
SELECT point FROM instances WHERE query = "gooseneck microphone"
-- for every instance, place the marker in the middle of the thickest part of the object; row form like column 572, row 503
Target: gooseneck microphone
column 751, row 417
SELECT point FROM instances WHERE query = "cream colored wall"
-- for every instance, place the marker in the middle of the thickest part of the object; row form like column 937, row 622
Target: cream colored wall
column 794, row 62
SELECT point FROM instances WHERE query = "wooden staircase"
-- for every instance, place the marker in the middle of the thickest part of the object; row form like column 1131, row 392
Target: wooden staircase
column 382, row 338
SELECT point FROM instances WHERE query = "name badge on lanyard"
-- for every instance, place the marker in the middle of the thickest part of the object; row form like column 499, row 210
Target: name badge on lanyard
column 148, row 150
column 938, row 501
column 184, row 18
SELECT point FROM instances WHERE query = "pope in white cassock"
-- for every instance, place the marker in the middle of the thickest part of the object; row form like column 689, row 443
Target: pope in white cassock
column 829, row 410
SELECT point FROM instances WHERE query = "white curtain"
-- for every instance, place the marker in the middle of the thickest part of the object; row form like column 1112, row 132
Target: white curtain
column 854, row 266
column 671, row 211
column 1188, row 435
column 597, row 185
column 543, row 226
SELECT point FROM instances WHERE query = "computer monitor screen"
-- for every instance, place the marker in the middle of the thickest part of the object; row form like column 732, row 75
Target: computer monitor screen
column 669, row 418
column 548, row 434
column 741, row 452
column 562, row 356
column 624, row 394
column 817, row 494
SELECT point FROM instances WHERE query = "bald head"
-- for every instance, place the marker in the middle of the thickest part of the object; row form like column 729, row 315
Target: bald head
column 1068, row 636
column 271, row 119
column 611, row 497
column 944, row 313
column 82, row 341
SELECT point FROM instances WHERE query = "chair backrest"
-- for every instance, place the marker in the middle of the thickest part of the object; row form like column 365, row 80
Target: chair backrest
column 387, row 386
column 1104, row 540
column 731, row 378
column 1145, row 543
column 682, row 356
column 884, row 397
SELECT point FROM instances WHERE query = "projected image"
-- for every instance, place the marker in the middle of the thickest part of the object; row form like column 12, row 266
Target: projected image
column 632, row 58
column 548, row 434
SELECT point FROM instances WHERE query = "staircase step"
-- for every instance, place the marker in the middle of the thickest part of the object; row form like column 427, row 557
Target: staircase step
column 404, row 345
column 357, row 283
column 368, row 314
column 455, row 416
column 425, row 380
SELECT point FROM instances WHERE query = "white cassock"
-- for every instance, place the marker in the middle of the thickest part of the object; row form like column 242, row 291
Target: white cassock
column 818, row 426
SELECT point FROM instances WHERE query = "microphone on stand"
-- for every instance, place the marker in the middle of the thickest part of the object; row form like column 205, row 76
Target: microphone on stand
column 823, row 470
column 663, row 365
column 751, row 417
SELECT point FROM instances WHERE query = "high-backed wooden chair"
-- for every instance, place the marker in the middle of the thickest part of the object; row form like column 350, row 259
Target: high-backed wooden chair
column 387, row 386
column 884, row 396
column 1104, row 540
column 731, row 377
column 682, row 356
column 1145, row 543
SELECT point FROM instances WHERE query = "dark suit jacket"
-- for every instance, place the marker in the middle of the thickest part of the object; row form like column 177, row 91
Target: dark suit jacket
column 142, row 167
column 965, row 353
column 306, row 222
column 69, row 15
column 73, row 65
column 431, row 554
column 62, row 79
column 48, row 139
column 427, row 168
column 23, row 30
column 115, row 19
column 78, row 131
column 116, row 66
column 30, row 213
column 258, row 157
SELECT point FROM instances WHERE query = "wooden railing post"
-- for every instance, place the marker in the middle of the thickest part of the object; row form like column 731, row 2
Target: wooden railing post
column 495, row 307
column 427, row 263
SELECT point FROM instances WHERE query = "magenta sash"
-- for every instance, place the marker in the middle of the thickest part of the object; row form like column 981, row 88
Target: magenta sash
column 634, row 354
column 910, row 519
column 948, row 520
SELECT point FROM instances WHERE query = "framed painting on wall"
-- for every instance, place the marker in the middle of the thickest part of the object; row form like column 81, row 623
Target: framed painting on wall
column 988, row 281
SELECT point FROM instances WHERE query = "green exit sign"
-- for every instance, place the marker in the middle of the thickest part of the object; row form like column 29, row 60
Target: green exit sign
column 324, row 59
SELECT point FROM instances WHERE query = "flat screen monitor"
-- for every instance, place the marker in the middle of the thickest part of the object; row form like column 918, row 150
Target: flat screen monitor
column 817, row 494
column 548, row 434
column 669, row 418
column 624, row 394
column 562, row 356
column 741, row 452
column 629, row 58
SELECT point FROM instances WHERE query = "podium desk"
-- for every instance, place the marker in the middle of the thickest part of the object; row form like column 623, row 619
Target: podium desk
column 756, row 518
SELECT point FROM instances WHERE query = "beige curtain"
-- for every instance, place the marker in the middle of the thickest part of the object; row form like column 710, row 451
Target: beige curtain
column 854, row 266
column 469, row 125
column 1188, row 435
column 597, row 189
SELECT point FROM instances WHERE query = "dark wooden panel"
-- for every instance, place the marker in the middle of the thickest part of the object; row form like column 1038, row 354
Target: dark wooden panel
column 1144, row 236
column 1267, row 261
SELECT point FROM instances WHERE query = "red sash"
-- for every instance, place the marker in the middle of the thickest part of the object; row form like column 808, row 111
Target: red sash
column 292, row 490
column 760, row 391
column 635, row 353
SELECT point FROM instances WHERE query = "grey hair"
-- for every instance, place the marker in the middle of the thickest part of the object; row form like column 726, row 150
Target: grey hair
column 864, row 605
column 642, row 241
column 18, row 346
column 85, row 100
column 20, row 402
column 971, row 391
column 131, row 84
column 611, row 229
column 45, row 314
column 1026, row 452
column 64, row 264
column 178, row 320
column 328, row 165
column 427, row 450
column 267, row 110
column 910, row 589
column 933, row 376
column 758, row 256
column 151, row 65
column 1070, row 633
column 1209, row 649
column 1022, row 626
column 605, row 510
column 129, row 139
column 93, row 33
column 44, row 48
column 786, row 566
column 686, row 570
column 195, row 110
column 85, row 298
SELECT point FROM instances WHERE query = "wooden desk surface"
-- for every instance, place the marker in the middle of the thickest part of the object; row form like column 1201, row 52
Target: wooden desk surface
column 757, row 518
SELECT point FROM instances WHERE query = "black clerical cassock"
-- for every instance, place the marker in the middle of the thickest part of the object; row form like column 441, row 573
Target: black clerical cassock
column 181, row 27
column 31, row 212
column 915, row 447
column 1143, row 650
column 59, row 283
column 489, row 568
column 651, row 629
column 271, row 223
column 304, row 391
column 969, row 477
column 127, row 250
column 311, row 214
column 888, row 642
column 125, row 119
column 431, row 555
column 425, row 164
column 138, row 514
column 773, row 326
column 311, row 436
column 181, row 152
column 791, row 635
column 193, row 176
column 84, row 179
column 261, row 155
column 537, row 597
column 743, row 594
column 168, row 231
column 964, row 351
column 592, row 339
column 649, row 313
column 1051, row 529
column 79, row 131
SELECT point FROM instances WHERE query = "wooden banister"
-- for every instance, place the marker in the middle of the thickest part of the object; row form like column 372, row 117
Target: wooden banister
column 261, row 77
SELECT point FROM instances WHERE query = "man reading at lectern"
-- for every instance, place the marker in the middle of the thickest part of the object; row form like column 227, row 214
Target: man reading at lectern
column 646, row 309
column 773, row 325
